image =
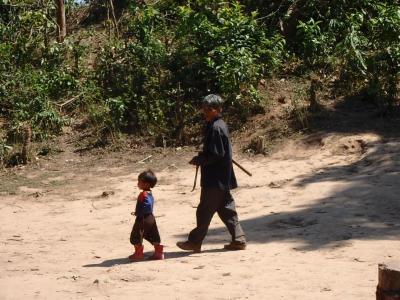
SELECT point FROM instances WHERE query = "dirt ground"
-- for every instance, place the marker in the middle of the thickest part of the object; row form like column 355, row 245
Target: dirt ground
column 320, row 214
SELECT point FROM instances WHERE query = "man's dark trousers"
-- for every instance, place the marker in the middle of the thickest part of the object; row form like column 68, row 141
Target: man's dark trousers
column 214, row 200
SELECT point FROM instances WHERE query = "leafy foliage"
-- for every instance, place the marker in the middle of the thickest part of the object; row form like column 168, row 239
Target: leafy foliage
column 34, row 72
column 361, row 38
column 148, row 74
column 157, row 74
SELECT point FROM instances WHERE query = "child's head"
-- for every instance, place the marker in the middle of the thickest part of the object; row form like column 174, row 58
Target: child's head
column 147, row 180
column 211, row 106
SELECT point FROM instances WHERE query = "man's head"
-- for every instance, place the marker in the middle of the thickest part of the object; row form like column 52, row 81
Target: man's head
column 212, row 106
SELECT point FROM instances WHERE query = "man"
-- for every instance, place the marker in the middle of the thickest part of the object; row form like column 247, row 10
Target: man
column 217, row 179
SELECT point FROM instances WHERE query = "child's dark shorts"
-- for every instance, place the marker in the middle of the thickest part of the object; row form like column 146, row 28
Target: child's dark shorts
column 145, row 227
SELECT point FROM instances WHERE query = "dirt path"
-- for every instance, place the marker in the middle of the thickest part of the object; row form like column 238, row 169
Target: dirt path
column 319, row 218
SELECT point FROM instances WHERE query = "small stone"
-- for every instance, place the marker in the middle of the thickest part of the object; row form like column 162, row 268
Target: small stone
column 107, row 193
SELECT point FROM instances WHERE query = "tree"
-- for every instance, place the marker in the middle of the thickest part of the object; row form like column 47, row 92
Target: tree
column 62, row 27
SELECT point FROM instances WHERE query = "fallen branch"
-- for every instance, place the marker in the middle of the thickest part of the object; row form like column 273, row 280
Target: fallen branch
column 69, row 101
column 14, row 205
column 144, row 159
column 93, row 205
column 169, row 166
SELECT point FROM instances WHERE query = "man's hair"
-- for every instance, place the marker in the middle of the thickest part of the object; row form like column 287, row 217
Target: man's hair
column 213, row 100
column 148, row 177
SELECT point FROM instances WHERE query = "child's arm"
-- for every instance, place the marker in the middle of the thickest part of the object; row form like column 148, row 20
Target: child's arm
column 139, row 204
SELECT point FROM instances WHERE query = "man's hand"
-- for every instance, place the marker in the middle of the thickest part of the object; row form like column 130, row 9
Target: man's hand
column 194, row 160
column 197, row 160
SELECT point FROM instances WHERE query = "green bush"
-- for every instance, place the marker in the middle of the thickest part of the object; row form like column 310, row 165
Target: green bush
column 35, row 71
column 361, row 38
column 153, row 79
column 234, row 49
column 164, row 56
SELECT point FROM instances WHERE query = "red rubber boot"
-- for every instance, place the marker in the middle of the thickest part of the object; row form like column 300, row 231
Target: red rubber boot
column 138, row 255
column 158, row 252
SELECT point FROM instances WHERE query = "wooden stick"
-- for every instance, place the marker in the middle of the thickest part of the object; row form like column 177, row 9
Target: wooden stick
column 241, row 168
column 195, row 178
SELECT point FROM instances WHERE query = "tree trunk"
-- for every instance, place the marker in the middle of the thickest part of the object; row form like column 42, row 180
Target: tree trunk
column 114, row 19
column 389, row 282
column 62, row 26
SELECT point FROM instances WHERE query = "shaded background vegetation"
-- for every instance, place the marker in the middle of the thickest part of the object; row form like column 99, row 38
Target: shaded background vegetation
column 140, row 67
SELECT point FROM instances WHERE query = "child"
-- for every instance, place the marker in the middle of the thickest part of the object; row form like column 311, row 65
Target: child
column 145, row 225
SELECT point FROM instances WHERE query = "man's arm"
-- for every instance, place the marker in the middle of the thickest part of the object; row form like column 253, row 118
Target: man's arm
column 214, row 150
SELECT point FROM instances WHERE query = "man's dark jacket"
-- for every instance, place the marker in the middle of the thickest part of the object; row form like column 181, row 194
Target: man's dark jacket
column 216, row 157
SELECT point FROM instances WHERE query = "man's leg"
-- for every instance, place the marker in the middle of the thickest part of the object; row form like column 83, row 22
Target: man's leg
column 227, row 213
column 210, row 201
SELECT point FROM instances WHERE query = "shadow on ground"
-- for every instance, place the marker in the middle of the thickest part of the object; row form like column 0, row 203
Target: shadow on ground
column 354, row 115
column 167, row 255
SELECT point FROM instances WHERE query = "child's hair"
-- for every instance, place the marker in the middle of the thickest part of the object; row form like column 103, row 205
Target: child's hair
column 148, row 177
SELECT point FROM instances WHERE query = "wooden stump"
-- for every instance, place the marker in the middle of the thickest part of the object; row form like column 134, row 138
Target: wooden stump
column 257, row 144
column 389, row 282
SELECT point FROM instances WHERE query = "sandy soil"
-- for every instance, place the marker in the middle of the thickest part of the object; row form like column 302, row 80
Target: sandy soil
column 319, row 217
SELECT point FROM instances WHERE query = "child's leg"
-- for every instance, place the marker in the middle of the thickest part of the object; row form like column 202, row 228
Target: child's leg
column 137, row 232
column 158, row 252
column 152, row 235
column 138, row 255
column 136, row 239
